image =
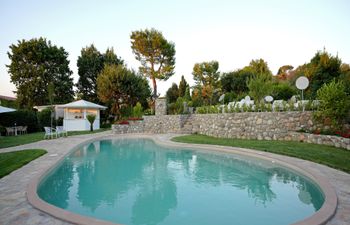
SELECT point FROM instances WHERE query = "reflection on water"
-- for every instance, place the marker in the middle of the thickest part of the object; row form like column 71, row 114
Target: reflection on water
column 138, row 182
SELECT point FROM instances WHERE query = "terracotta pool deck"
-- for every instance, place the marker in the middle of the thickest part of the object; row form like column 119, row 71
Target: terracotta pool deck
column 15, row 208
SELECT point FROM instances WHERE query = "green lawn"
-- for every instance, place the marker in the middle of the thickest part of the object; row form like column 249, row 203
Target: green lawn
column 9, row 141
column 333, row 157
column 10, row 161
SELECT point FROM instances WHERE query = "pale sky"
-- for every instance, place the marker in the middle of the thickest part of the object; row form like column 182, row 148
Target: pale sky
column 231, row 32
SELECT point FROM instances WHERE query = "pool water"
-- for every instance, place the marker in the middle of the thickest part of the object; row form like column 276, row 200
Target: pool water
column 135, row 181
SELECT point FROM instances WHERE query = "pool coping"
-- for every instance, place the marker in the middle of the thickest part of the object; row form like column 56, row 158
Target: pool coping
column 322, row 216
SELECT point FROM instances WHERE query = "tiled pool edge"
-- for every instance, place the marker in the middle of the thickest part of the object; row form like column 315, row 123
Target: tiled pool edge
column 322, row 216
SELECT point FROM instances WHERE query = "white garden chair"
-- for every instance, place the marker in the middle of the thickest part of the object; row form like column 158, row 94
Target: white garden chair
column 50, row 132
column 60, row 130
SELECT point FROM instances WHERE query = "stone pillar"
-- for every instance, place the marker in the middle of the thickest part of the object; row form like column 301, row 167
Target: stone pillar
column 160, row 108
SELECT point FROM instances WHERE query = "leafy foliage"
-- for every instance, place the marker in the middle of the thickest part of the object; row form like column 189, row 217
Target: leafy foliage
column 137, row 110
column 284, row 71
column 36, row 63
column 187, row 95
column 259, row 86
column 120, row 87
column 20, row 118
column 283, row 91
column 207, row 76
column 177, row 107
column 90, row 63
column 321, row 69
column 44, row 117
column 155, row 53
column 206, row 73
column 258, row 67
column 172, row 93
column 182, row 87
column 236, row 81
column 334, row 103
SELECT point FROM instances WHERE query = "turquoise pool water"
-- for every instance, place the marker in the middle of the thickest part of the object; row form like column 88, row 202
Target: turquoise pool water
column 137, row 182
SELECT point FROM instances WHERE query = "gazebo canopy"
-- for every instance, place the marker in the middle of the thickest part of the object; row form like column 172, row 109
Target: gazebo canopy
column 5, row 109
column 82, row 104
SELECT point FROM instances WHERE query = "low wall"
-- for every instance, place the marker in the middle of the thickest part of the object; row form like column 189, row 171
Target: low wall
column 247, row 125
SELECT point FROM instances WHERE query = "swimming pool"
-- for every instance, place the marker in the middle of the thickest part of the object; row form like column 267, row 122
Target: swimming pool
column 135, row 181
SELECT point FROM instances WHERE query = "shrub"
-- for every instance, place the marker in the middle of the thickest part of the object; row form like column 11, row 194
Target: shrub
column 44, row 118
column 106, row 125
column 283, row 91
column 334, row 104
column 137, row 110
column 20, row 118
column 229, row 97
column 259, row 86
column 148, row 112
column 59, row 121
column 177, row 107
column 126, row 111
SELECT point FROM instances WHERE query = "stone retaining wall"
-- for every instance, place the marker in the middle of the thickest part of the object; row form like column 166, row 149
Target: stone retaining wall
column 247, row 125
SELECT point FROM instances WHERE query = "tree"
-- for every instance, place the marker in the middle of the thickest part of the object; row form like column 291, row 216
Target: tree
column 345, row 76
column 187, row 95
column 182, row 86
column 283, row 91
column 90, row 64
column 119, row 86
column 109, row 58
column 207, row 76
column 91, row 118
column 172, row 93
column 35, row 64
column 259, row 86
column 206, row 73
column 259, row 66
column 321, row 69
column 236, row 81
column 155, row 53
column 334, row 103
column 283, row 72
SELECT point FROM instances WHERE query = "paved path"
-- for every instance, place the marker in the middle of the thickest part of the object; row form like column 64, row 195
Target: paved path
column 15, row 209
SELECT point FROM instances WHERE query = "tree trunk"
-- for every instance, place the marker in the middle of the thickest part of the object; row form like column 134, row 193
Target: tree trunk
column 154, row 88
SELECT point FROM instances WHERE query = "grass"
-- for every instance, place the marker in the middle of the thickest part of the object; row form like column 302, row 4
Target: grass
column 10, row 141
column 337, row 158
column 10, row 161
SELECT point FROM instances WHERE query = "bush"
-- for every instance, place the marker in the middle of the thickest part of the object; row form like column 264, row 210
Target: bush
column 283, row 91
column 334, row 104
column 137, row 110
column 177, row 107
column 44, row 118
column 148, row 112
column 59, row 121
column 20, row 118
column 105, row 125
column 229, row 97
column 126, row 111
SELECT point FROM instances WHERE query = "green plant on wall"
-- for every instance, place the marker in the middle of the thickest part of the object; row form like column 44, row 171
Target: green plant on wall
column 91, row 118
column 137, row 110
column 334, row 104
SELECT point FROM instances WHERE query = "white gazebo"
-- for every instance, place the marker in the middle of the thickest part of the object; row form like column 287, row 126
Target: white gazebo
column 75, row 115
